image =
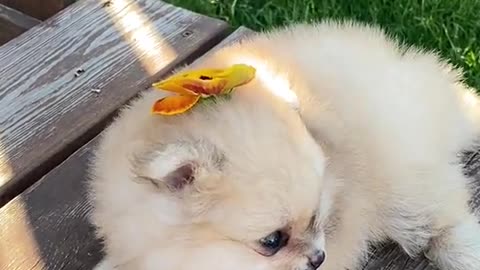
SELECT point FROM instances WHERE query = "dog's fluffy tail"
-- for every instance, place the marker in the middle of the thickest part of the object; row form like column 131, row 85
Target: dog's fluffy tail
column 470, row 105
column 458, row 248
column 104, row 265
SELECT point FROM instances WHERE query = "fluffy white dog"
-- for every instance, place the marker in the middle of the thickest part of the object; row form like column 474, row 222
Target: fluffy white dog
column 343, row 138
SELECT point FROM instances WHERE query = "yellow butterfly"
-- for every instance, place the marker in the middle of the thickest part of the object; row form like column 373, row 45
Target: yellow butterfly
column 191, row 86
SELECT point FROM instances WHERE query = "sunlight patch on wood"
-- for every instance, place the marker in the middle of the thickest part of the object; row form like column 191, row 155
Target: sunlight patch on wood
column 6, row 171
column 152, row 50
column 18, row 239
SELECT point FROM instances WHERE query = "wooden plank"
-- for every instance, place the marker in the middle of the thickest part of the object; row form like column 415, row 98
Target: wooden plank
column 61, row 81
column 13, row 23
column 46, row 227
column 48, row 222
column 38, row 9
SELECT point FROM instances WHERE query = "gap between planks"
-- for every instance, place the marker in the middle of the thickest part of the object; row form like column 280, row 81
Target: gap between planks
column 13, row 23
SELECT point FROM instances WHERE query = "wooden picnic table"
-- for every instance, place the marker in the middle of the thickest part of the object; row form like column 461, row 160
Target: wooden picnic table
column 61, row 82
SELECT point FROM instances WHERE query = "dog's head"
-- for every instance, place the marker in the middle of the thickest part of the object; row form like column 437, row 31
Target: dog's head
column 236, row 185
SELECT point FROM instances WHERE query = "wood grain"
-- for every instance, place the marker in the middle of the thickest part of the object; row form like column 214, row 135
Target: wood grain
column 47, row 112
column 48, row 222
column 46, row 226
column 13, row 23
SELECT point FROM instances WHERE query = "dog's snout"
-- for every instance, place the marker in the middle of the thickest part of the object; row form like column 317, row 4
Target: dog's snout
column 316, row 259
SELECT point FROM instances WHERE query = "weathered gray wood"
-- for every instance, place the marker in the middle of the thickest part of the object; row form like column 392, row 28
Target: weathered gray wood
column 46, row 226
column 46, row 111
column 13, row 23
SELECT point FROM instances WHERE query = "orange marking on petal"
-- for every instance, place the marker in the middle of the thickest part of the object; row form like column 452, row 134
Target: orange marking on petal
column 206, row 88
column 174, row 104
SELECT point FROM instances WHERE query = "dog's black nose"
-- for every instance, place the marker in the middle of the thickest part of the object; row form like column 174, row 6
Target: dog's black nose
column 316, row 259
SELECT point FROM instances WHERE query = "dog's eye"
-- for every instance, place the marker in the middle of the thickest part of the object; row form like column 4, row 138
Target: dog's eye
column 273, row 242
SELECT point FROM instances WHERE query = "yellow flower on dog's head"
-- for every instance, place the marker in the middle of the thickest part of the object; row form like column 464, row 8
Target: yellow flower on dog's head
column 191, row 86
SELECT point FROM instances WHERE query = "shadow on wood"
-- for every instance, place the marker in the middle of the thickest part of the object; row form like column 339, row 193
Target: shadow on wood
column 40, row 9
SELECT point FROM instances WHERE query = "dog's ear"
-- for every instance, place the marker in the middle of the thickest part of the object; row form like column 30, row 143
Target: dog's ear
column 174, row 166
column 180, row 177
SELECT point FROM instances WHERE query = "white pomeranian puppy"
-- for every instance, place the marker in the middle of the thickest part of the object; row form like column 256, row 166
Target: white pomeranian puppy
column 343, row 138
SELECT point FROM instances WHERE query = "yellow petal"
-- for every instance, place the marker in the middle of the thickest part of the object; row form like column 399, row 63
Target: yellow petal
column 174, row 104
column 172, row 86
column 207, row 82
column 238, row 75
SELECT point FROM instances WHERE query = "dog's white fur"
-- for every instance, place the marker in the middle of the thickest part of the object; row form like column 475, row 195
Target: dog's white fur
column 340, row 120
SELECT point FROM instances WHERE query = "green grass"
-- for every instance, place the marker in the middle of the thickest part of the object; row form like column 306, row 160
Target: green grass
column 451, row 27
